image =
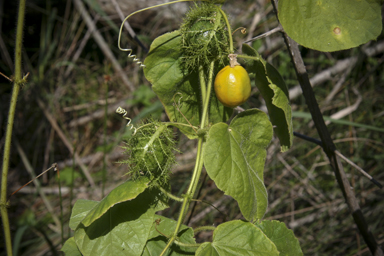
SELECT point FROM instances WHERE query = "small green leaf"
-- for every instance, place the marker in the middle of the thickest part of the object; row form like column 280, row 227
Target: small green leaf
column 157, row 242
column 178, row 92
column 127, row 191
column 70, row 248
column 275, row 93
column 81, row 208
column 122, row 230
column 329, row 25
column 234, row 158
column 284, row 239
column 238, row 238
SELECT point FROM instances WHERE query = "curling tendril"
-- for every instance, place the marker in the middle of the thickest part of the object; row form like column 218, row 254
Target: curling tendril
column 123, row 112
column 130, row 55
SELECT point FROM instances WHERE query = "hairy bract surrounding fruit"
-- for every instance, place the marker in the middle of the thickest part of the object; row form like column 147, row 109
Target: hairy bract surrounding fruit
column 232, row 86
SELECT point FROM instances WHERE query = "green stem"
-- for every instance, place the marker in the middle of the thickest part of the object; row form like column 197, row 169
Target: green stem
column 199, row 160
column 256, row 58
column 203, row 86
column 204, row 118
column 229, row 30
column 11, row 117
column 186, row 245
column 203, row 228
column 176, row 198
column 145, row 9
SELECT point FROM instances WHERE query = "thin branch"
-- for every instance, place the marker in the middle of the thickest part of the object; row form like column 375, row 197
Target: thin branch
column 318, row 142
column 9, row 79
column 276, row 29
column 31, row 172
column 359, row 169
column 33, row 176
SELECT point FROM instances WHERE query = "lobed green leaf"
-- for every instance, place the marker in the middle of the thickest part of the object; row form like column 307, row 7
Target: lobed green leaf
column 238, row 238
column 234, row 157
column 284, row 239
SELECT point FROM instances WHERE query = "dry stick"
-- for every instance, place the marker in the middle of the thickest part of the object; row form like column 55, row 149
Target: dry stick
column 266, row 34
column 31, row 172
column 327, row 142
column 378, row 184
column 348, row 110
column 80, row 48
column 338, row 86
column 102, row 44
column 98, row 113
column 89, row 104
column 311, row 208
column 9, row 79
column 59, row 132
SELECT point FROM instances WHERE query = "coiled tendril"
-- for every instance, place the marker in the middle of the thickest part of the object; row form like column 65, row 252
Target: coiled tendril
column 123, row 112
column 130, row 55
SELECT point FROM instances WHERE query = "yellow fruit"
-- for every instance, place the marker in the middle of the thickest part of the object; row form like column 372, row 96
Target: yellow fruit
column 232, row 86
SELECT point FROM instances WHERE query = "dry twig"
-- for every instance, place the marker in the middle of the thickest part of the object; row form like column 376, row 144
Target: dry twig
column 69, row 146
column 102, row 44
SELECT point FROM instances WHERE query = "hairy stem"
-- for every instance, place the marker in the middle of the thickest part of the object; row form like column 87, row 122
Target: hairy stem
column 11, row 116
column 199, row 160
column 203, row 85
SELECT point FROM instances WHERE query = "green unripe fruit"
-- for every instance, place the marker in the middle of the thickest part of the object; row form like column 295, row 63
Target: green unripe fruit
column 151, row 152
column 204, row 36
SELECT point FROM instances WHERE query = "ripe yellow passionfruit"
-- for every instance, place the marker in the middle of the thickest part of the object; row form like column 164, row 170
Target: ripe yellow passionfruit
column 232, row 84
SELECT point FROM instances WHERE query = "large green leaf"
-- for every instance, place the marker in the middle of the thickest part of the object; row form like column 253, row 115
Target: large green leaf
column 284, row 239
column 157, row 242
column 329, row 25
column 176, row 89
column 70, row 248
column 122, row 230
column 275, row 93
column 81, row 208
column 127, row 191
column 238, row 238
column 234, row 157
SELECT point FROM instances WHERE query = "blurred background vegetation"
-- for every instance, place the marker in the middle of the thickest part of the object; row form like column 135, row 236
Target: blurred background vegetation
column 66, row 115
